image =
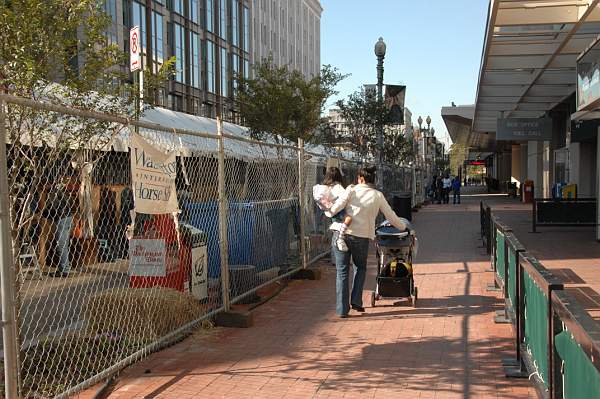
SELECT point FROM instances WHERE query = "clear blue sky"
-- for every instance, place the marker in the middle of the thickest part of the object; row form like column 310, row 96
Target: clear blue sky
column 433, row 47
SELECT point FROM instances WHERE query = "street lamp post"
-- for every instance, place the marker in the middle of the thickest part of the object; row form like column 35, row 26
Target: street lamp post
column 380, row 54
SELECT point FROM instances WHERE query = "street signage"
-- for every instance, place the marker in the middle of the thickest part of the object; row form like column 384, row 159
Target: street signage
column 147, row 257
column 475, row 163
column 135, row 49
column 524, row 129
column 199, row 283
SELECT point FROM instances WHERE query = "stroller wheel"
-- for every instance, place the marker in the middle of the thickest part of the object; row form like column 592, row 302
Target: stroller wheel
column 372, row 299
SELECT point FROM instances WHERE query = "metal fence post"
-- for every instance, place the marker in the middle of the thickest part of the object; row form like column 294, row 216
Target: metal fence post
column 223, row 211
column 301, row 200
column 7, row 275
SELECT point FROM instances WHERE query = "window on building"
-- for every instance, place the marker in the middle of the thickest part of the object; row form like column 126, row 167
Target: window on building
column 235, row 23
column 246, row 68
column 223, row 18
column 195, row 61
column 210, row 110
column 139, row 19
column 195, row 106
column 160, row 101
column 246, row 28
column 178, row 6
column 210, row 15
column 195, row 11
column 235, row 70
column 210, row 67
column 224, row 73
column 179, row 52
column 178, row 103
column 157, row 40
column 110, row 7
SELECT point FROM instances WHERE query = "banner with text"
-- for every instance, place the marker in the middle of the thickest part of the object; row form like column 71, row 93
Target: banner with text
column 153, row 175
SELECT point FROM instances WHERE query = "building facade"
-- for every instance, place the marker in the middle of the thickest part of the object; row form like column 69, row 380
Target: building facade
column 214, row 41
column 289, row 31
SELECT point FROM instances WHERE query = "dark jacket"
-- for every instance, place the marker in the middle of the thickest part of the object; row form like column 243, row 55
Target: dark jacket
column 456, row 184
column 59, row 204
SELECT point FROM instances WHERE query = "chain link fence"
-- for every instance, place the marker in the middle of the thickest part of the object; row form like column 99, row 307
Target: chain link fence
column 96, row 285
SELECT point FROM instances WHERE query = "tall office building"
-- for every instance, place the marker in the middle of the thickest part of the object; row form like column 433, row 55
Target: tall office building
column 213, row 41
column 290, row 32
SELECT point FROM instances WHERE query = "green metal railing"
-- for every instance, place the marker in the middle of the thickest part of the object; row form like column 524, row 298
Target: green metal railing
column 499, row 257
column 537, row 285
column 575, row 341
column 513, row 251
column 557, row 343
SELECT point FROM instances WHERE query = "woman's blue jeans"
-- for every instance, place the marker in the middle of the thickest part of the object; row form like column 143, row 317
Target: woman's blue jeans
column 63, row 237
column 358, row 251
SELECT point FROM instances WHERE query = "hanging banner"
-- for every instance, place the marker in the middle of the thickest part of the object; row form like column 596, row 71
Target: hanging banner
column 394, row 101
column 153, row 175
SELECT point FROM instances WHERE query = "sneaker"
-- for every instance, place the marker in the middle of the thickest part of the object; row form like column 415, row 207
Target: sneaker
column 341, row 245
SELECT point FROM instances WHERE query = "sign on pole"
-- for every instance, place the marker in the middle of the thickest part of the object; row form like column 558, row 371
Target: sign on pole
column 394, row 101
column 135, row 49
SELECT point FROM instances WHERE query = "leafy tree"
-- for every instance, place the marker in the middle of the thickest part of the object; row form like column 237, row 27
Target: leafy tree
column 57, row 51
column 281, row 103
column 457, row 154
column 363, row 114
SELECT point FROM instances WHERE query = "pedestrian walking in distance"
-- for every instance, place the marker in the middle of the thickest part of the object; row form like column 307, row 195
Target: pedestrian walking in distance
column 456, row 190
column 446, row 186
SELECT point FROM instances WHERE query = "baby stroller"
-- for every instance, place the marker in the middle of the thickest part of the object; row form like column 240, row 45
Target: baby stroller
column 394, row 264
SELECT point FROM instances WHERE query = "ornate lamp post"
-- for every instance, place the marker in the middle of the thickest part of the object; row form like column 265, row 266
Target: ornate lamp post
column 380, row 54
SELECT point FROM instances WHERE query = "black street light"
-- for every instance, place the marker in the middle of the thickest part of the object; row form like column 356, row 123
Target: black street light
column 380, row 54
column 426, row 134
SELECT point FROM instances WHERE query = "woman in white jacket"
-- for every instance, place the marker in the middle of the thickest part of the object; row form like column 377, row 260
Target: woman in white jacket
column 363, row 203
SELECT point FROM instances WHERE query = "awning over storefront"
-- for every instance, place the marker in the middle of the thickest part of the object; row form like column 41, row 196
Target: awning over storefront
column 529, row 57
column 459, row 121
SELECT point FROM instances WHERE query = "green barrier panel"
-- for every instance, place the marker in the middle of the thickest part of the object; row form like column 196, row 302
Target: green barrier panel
column 536, row 325
column 500, row 254
column 581, row 379
column 512, row 276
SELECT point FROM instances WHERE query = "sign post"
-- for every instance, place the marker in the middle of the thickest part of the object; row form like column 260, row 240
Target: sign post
column 135, row 66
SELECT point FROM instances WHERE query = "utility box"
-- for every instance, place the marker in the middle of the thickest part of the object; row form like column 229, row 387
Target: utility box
column 194, row 246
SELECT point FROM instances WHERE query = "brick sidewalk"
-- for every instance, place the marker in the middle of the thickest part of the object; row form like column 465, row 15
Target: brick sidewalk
column 448, row 347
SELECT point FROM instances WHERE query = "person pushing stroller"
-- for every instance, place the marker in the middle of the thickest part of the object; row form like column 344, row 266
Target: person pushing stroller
column 325, row 195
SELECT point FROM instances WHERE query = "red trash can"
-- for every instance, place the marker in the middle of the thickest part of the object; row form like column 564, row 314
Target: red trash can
column 528, row 192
